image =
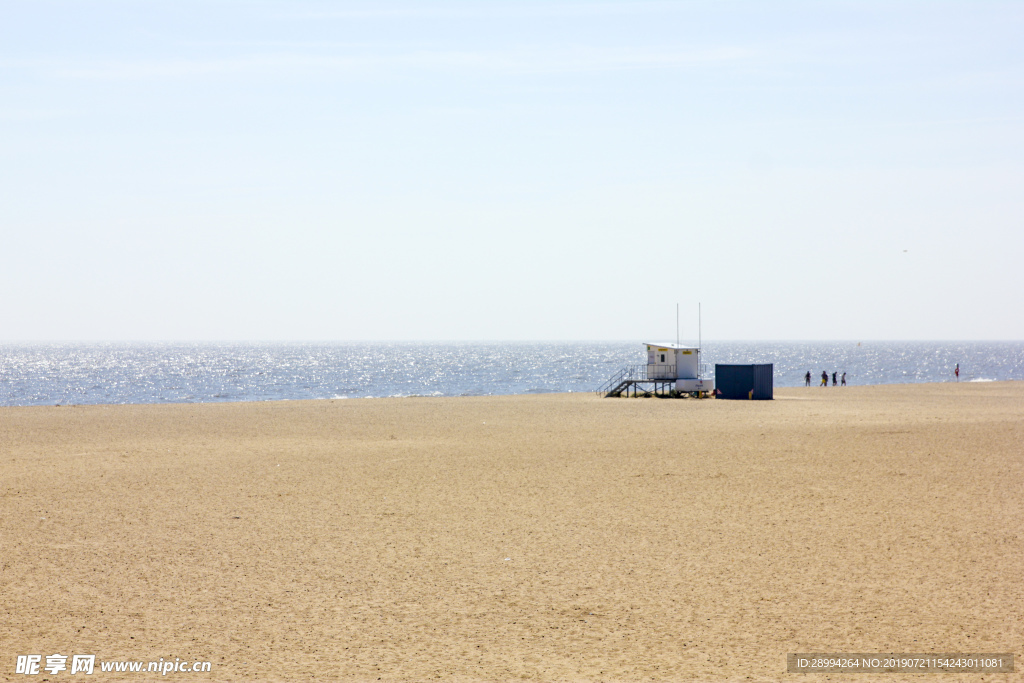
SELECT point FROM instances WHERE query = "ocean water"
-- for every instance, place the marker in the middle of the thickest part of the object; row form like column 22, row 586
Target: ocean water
column 48, row 374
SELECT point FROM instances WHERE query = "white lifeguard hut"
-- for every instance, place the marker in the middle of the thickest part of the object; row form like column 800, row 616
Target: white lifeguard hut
column 671, row 369
column 679, row 363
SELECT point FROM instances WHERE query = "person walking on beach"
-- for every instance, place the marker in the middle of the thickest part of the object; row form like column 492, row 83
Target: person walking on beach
column 844, row 380
column 957, row 372
column 824, row 378
column 807, row 379
column 834, row 382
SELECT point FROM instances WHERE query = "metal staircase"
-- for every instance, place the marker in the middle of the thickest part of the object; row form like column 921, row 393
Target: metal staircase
column 636, row 376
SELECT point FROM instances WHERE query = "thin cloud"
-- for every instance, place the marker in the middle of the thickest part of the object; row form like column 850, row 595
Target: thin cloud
column 27, row 114
column 487, row 10
column 522, row 61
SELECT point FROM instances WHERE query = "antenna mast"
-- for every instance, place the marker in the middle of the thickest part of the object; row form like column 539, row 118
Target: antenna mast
column 677, row 324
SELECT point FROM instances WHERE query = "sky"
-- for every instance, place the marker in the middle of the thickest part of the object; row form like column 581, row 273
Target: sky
column 243, row 170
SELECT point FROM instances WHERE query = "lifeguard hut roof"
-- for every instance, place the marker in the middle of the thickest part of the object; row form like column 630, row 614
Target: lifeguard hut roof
column 662, row 345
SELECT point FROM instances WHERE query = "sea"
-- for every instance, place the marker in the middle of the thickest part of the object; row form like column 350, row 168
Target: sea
column 111, row 373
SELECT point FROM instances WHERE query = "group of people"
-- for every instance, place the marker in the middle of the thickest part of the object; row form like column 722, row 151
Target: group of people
column 842, row 380
column 824, row 379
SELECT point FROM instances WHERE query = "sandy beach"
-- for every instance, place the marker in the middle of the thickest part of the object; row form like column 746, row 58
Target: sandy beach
column 546, row 537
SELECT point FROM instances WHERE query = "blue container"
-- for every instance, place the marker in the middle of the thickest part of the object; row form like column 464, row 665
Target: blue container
column 744, row 381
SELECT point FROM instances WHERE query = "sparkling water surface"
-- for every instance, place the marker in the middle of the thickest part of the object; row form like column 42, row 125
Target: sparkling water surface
column 47, row 374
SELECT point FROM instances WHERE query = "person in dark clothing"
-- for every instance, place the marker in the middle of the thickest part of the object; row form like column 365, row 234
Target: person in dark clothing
column 807, row 379
column 835, row 382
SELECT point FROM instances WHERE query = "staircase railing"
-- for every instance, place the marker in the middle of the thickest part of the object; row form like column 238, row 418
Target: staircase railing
column 647, row 372
column 622, row 375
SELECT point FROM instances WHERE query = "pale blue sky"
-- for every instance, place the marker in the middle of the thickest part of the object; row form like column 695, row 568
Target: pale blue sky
column 511, row 170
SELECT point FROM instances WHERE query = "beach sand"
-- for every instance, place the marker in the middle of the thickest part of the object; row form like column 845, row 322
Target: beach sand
column 543, row 537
